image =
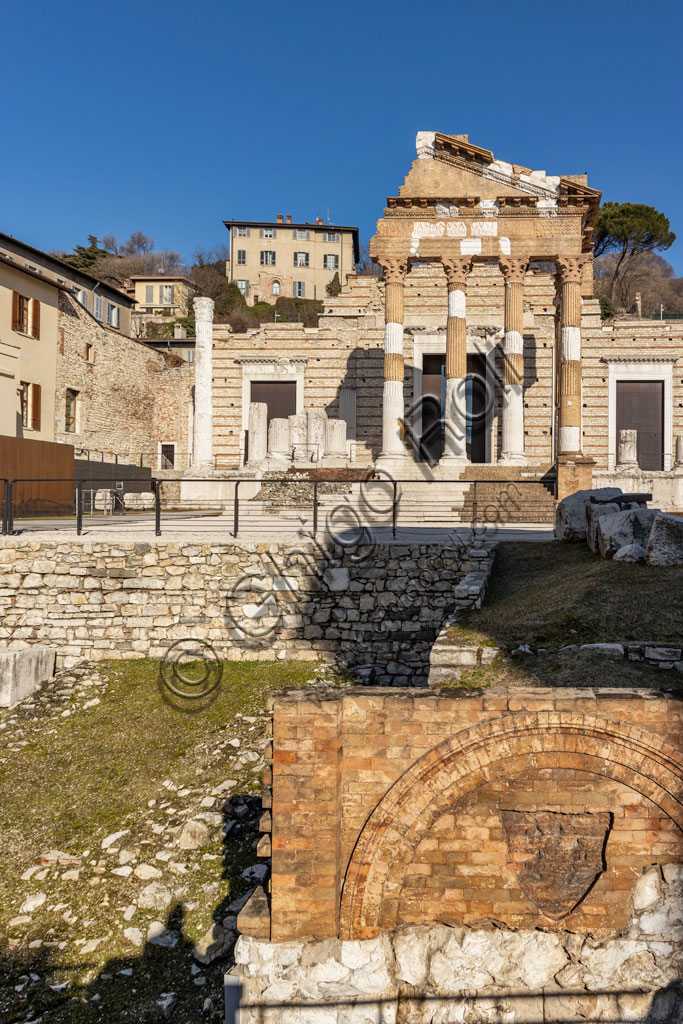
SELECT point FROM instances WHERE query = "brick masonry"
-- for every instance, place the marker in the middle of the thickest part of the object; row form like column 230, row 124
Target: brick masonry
column 386, row 806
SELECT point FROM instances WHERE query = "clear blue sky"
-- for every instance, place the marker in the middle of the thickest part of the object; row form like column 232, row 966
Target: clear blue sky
column 170, row 117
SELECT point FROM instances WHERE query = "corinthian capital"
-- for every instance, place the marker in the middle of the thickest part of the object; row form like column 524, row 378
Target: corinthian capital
column 457, row 272
column 513, row 270
column 394, row 269
column 570, row 268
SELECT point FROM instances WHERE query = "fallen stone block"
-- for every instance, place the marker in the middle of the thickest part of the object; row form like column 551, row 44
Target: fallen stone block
column 632, row 526
column 570, row 515
column 594, row 515
column 665, row 545
column 24, row 672
column 607, row 650
column 630, row 553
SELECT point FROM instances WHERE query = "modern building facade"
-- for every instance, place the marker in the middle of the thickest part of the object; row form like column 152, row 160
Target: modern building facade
column 269, row 259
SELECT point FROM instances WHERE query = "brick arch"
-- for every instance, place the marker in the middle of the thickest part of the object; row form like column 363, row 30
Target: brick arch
column 472, row 757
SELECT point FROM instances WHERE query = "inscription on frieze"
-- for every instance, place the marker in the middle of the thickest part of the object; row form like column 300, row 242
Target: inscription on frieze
column 556, row 857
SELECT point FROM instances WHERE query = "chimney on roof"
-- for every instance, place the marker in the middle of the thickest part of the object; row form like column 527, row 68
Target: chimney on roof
column 280, row 218
column 318, row 220
column 179, row 331
column 289, row 218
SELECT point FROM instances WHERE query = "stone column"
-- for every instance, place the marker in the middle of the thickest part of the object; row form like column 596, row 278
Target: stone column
column 513, row 271
column 679, row 452
column 336, row 438
column 316, row 434
column 393, row 408
column 455, row 413
column 298, row 425
column 278, row 438
column 202, row 434
column 258, row 432
column 569, row 399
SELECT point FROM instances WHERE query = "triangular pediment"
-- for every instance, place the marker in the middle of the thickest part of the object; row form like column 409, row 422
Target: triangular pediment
column 450, row 167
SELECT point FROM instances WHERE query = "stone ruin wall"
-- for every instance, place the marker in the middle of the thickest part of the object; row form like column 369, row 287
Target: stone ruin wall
column 372, row 611
column 131, row 396
column 425, row 867
column 348, row 349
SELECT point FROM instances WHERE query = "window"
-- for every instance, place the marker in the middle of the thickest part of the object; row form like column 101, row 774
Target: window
column 25, row 315
column 241, row 232
column 302, row 234
column 149, row 294
column 167, row 456
column 190, row 355
column 29, row 396
column 267, row 258
column 241, row 257
column 299, row 290
column 113, row 315
column 82, row 297
column 276, row 287
column 166, row 294
column 331, row 261
column 89, row 352
column 268, row 233
column 71, row 412
column 97, row 307
column 243, row 287
column 301, row 259
column 330, row 236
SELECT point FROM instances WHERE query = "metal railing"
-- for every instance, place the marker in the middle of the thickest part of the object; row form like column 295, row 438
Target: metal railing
column 371, row 503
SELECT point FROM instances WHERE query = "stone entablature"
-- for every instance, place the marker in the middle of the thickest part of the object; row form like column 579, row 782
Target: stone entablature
column 386, row 807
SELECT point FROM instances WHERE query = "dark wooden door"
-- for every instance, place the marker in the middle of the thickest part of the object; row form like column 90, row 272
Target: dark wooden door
column 640, row 406
column 279, row 396
column 431, row 441
column 477, row 408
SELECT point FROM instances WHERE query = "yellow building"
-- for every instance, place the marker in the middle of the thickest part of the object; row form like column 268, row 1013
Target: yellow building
column 28, row 351
column 272, row 259
column 168, row 295
column 109, row 306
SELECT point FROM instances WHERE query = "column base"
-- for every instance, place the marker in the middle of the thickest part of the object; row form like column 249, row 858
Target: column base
column 574, row 473
column 454, row 460
column 512, row 459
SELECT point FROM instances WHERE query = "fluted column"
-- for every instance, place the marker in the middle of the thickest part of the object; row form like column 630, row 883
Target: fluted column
column 569, row 399
column 513, row 271
column 202, row 434
column 393, row 407
column 455, row 413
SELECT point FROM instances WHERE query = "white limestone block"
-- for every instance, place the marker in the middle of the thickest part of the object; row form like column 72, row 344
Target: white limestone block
column 24, row 672
column 316, row 433
column 278, row 438
column 258, row 432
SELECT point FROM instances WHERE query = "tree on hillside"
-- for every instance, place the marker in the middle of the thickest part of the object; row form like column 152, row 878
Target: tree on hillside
column 114, row 262
column 85, row 257
column 628, row 230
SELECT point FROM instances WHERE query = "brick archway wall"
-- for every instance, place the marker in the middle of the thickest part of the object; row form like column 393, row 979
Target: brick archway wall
column 515, row 742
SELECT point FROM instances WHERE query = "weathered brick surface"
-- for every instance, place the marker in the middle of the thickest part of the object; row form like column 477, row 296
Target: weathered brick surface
column 414, row 830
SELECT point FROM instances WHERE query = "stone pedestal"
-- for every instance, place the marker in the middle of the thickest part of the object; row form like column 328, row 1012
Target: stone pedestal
column 316, row 433
column 336, row 439
column 574, row 474
column 627, row 449
column 297, row 436
column 278, row 439
column 258, row 433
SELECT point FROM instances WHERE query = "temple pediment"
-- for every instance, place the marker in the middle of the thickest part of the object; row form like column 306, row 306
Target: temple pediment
column 450, row 167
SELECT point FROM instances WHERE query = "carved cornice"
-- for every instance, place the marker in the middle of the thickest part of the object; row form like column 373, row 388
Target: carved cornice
column 457, row 271
column 513, row 270
column 570, row 268
column 395, row 270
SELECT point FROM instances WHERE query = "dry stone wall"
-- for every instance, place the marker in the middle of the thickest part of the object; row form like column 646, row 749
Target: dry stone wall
column 373, row 611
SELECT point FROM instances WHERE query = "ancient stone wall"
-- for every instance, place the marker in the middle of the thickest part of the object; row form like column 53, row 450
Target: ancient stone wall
column 373, row 611
column 130, row 397
column 347, row 349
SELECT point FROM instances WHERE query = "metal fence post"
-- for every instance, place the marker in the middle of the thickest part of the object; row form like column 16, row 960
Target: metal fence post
column 315, row 507
column 79, row 508
column 157, row 506
column 10, row 506
column 236, row 510
column 394, row 509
